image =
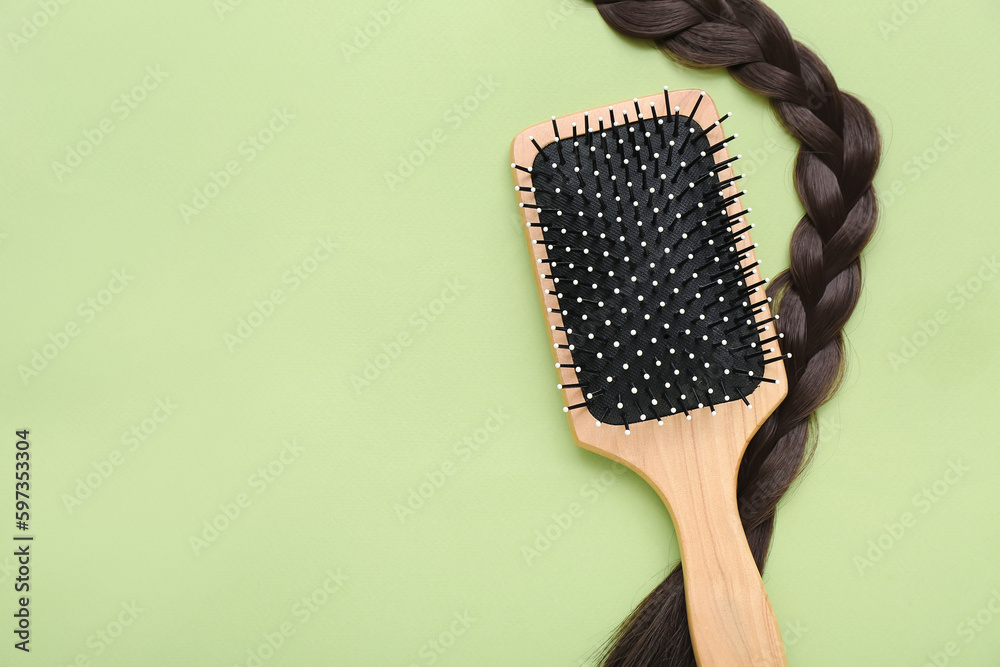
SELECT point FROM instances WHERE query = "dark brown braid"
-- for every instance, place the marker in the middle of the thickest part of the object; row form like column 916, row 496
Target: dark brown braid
column 836, row 162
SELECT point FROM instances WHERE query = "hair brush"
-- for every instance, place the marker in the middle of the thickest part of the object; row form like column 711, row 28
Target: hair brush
column 662, row 333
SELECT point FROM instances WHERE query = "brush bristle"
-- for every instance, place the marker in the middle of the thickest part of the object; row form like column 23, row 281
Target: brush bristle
column 657, row 296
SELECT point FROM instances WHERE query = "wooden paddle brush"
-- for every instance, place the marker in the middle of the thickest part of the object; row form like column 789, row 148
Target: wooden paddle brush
column 662, row 334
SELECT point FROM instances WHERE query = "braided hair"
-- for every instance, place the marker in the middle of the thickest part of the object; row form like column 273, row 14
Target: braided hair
column 836, row 162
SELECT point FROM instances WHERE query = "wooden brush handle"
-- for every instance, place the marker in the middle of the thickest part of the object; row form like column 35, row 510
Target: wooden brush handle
column 693, row 465
column 730, row 617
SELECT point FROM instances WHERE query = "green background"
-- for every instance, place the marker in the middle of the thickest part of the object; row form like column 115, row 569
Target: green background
column 436, row 260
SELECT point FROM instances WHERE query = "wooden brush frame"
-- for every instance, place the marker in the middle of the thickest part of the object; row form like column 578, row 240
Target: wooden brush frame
column 692, row 463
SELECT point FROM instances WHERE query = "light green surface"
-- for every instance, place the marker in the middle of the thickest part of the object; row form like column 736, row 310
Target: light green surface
column 437, row 261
